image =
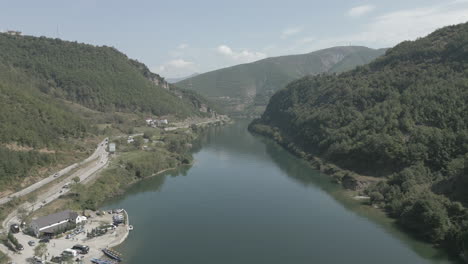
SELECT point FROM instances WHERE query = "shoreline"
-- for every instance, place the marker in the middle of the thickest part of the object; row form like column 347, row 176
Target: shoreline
column 101, row 243
column 351, row 183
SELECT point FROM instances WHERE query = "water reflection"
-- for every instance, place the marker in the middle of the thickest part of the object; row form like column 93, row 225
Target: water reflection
column 246, row 200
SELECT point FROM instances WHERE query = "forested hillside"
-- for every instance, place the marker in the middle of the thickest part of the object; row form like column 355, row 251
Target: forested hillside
column 402, row 117
column 100, row 78
column 246, row 88
column 42, row 78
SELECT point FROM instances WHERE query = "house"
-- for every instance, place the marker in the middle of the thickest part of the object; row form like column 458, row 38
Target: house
column 14, row 33
column 130, row 140
column 54, row 224
column 81, row 219
column 156, row 122
column 112, row 147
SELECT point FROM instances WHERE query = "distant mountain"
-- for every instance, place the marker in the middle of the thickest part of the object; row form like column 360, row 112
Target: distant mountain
column 246, row 88
column 403, row 118
column 174, row 80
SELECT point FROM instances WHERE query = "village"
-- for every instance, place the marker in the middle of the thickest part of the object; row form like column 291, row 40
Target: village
column 66, row 236
column 70, row 237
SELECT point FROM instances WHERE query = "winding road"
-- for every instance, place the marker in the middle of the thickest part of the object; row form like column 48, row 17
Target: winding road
column 98, row 160
column 98, row 153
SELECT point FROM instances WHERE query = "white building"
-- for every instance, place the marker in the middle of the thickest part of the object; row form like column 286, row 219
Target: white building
column 14, row 33
column 112, row 147
column 54, row 223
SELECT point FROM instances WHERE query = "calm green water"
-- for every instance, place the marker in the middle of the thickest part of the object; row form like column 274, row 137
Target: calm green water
column 246, row 200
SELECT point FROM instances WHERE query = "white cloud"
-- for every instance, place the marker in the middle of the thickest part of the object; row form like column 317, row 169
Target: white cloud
column 307, row 40
column 183, row 46
column 176, row 68
column 392, row 28
column 360, row 10
column 241, row 56
column 291, row 32
column 180, row 63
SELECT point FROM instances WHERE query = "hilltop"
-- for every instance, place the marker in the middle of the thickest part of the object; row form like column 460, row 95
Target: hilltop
column 403, row 118
column 246, row 88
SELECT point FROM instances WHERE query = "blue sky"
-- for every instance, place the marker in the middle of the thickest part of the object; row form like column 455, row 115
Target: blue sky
column 176, row 38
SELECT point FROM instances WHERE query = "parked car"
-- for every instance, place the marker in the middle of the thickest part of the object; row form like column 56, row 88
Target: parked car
column 37, row 260
column 56, row 259
column 69, row 252
column 81, row 248
column 19, row 247
column 44, row 240
column 31, row 243
column 15, row 228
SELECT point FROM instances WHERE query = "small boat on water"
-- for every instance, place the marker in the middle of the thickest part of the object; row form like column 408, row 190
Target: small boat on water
column 130, row 227
column 100, row 261
column 112, row 254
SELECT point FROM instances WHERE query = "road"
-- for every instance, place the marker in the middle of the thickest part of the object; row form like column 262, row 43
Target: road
column 100, row 151
column 98, row 160
column 92, row 164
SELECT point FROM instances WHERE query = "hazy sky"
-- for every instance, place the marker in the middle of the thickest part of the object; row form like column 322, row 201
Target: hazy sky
column 176, row 38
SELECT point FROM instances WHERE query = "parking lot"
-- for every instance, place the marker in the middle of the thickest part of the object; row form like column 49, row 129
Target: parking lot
column 56, row 246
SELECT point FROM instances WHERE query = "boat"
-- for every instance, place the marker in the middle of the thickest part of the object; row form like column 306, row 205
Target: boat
column 130, row 227
column 101, row 261
column 112, row 254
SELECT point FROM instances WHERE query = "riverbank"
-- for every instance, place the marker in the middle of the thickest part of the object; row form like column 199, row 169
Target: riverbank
column 199, row 122
column 348, row 179
column 407, row 200
column 249, row 200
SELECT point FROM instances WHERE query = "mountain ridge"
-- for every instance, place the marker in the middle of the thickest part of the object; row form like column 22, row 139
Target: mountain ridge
column 247, row 87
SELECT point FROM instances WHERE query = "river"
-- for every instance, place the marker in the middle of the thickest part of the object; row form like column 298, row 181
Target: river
column 246, row 200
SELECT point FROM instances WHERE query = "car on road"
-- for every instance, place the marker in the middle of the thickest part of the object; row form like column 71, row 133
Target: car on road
column 56, row 175
column 31, row 243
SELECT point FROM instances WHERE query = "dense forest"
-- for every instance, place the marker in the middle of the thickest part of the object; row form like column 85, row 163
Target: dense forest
column 44, row 81
column 403, row 118
column 100, row 78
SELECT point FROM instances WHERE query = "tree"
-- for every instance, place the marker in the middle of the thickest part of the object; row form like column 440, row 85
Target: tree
column 40, row 250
